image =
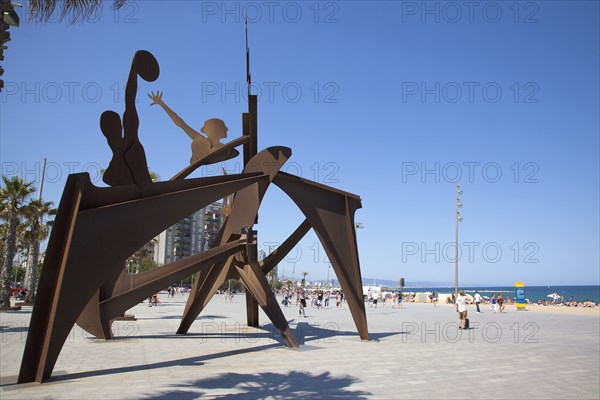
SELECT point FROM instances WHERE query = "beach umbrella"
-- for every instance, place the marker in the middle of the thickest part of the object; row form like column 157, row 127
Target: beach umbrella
column 486, row 297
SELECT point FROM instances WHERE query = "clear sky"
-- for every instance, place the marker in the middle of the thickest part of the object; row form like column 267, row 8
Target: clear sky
column 388, row 100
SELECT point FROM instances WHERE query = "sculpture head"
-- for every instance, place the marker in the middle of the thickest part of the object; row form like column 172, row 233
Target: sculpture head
column 146, row 65
column 215, row 128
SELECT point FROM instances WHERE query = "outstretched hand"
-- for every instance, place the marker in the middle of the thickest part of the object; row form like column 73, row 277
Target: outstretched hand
column 156, row 98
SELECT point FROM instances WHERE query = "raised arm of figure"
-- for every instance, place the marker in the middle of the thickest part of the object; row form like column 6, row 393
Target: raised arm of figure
column 177, row 120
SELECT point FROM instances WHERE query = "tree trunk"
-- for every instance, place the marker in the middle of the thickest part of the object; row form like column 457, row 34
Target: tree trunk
column 28, row 266
column 33, row 270
column 7, row 267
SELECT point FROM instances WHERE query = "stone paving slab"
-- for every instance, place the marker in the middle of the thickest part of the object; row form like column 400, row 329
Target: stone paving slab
column 415, row 352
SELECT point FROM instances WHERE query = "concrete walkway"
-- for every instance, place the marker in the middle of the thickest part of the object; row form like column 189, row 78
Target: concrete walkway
column 415, row 352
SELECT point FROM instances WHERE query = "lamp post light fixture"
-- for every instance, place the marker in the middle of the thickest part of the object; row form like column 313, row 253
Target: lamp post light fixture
column 459, row 205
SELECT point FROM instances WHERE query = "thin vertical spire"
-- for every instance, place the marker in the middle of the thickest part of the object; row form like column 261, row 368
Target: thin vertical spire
column 248, row 75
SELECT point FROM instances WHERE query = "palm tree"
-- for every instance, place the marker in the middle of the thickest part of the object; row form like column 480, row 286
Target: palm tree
column 37, row 231
column 154, row 176
column 11, row 200
column 77, row 10
column 19, row 240
column 137, row 257
column 303, row 277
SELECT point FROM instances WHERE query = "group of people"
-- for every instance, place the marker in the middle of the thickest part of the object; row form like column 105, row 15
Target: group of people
column 316, row 298
column 173, row 290
column 375, row 298
column 496, row 305
column 571, row 303
column 228, row 295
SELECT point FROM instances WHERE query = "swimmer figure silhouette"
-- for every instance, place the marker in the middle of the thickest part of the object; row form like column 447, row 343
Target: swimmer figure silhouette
column 214, row 129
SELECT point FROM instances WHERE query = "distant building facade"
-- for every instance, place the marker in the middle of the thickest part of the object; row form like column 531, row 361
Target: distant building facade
column 192, row 235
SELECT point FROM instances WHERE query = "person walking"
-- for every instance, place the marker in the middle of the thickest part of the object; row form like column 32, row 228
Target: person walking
column 493, row 303
column 461, row 309
column 500, row 302
column 302, row 304
column 477, row 301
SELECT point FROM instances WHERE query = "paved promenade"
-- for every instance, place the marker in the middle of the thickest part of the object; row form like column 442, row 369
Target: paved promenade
column 415, row 352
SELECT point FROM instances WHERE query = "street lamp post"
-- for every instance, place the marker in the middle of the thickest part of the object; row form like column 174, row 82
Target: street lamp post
column 459, row 205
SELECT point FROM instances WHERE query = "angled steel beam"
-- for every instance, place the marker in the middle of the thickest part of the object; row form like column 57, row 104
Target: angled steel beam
column 88, row 247
column 283, row 250
column 130, row 289
column 331, row 214
column 223, row 153
column 243, row 214
column 255, row 281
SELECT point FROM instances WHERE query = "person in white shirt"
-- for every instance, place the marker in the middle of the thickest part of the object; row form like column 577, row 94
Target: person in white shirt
column 477, row 301
column 461, row 309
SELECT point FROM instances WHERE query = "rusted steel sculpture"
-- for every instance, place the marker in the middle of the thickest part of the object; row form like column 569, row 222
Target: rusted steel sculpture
column 83, row 280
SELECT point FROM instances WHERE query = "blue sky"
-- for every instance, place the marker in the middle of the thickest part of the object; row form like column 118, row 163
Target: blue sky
column 388, row 100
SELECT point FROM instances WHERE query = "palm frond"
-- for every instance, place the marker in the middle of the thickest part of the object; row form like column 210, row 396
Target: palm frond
column 74, row 10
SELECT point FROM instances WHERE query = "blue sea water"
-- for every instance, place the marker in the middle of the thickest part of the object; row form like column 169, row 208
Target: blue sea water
column 533, row 293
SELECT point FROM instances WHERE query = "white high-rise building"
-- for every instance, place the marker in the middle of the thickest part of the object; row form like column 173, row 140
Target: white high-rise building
column 191, row 235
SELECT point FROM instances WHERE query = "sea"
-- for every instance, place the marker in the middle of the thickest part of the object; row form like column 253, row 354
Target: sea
column 533, row 293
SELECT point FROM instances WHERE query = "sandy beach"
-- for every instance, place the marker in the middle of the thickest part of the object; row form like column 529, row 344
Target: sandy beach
column 534, row 308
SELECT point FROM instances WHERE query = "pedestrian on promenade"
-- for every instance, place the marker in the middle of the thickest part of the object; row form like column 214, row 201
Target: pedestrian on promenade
column 461, row 309
column 493, row 303
column 338, row 301
column 477, row 301
column 285, row 299
column 302, row 304
column 500, row 302
column 400, row 299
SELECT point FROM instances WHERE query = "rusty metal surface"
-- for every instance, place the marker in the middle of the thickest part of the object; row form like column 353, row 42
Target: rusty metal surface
column 90, row 247
column 331, row 214
column 96, row 229
column 131, row 289
column 243, row 214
